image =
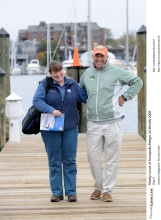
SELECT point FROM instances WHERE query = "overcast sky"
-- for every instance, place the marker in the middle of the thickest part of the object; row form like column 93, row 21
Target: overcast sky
column 18, row 14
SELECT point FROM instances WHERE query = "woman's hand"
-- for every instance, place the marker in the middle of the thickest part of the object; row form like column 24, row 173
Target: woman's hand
column 56, row 113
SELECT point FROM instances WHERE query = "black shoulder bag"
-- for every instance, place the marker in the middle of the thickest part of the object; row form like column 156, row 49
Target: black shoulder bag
column 31, row 122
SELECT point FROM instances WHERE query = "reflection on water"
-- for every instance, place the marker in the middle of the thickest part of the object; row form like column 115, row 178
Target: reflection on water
column 25, row 86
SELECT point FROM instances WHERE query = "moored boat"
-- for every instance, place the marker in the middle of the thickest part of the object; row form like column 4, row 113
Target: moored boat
column 33, row 67
column 67, row 63
column 16, row 70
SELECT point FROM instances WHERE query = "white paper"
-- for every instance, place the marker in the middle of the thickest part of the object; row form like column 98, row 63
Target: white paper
column 49, row 122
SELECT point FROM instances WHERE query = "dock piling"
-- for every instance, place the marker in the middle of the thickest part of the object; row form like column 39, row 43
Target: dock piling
column 141, row 64
column 4, row 85
column 75, row 73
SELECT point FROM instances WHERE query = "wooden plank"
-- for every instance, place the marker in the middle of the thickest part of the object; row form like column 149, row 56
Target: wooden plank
column 25, row 191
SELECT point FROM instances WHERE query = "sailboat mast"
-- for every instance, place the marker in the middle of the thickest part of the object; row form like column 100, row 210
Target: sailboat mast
column 75, row 30
column 127, row 35
column 48, row 45
column 89, row 35
column 12, row 55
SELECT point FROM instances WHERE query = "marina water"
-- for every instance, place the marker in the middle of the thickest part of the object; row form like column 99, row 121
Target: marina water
column 25, row 86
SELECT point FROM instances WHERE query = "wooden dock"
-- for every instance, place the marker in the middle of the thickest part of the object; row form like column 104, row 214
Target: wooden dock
column 25, row 192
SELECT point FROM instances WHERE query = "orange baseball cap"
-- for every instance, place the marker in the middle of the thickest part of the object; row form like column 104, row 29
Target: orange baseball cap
column 100, row 49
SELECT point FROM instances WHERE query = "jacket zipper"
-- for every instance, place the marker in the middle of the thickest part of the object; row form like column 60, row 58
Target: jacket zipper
column 97, row 94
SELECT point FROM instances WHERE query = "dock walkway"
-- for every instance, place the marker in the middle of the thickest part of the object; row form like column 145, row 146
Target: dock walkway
column 25, row 192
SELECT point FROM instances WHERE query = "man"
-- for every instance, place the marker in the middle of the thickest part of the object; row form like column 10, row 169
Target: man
column 103, row 83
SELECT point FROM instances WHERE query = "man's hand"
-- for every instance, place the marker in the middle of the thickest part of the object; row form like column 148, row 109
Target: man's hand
column 121, row 101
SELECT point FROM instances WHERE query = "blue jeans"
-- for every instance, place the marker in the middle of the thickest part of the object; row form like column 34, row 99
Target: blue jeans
column 61, row 148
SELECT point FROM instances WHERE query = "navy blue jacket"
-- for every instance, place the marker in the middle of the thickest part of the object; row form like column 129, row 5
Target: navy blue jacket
column 65, row 101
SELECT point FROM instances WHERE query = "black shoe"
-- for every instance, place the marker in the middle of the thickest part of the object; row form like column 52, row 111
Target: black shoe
column 72, row 198
column 56, row 198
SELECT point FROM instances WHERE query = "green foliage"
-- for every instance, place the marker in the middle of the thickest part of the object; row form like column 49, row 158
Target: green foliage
column 122, row 40
column 111, row 42
column 131, row 39
column 43, row 48
column 108, row 33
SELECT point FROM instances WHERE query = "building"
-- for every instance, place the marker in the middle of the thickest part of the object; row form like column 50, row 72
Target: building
column 120, row 52
column 22, row 52
column 64, row 34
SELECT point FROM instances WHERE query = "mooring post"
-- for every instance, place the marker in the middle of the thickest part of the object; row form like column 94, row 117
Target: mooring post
column 75, row 73
column 141, row 72
column 82, row 106
column 4, row 85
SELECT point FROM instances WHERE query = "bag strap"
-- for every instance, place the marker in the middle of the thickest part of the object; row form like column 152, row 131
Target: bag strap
column 49, row 80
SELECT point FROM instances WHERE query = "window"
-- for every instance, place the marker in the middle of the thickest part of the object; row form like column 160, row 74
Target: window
column 95, row 33
column 100, row 33
column 34, row 34
column 95, row 38
column 59, row 33
column 43, row 34
column 68, row 29
column 78, row 33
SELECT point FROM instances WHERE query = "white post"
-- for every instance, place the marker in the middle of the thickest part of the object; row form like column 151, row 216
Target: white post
column 13, row 111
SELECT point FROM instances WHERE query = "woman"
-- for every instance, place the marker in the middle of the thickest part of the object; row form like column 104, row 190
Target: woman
column 61, row 147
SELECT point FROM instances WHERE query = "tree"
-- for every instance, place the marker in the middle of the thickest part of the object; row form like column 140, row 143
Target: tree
column 41, row 57
column 131, row 37
column 110, row 41
column 53, row 47
column 42, row 52
column 108, row 33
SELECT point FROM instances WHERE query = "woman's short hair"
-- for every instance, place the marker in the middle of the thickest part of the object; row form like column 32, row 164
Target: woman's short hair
column 55, row 65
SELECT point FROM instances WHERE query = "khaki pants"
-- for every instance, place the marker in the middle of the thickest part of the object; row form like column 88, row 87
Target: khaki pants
column 107, row 139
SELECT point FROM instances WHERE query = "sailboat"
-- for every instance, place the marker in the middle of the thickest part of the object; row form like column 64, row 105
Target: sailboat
column 15, row 68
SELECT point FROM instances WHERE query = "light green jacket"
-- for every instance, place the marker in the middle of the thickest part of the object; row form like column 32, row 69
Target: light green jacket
column 104, row 88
